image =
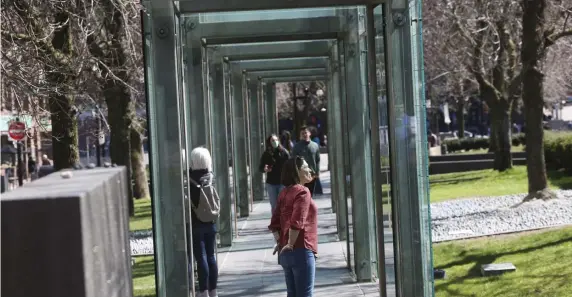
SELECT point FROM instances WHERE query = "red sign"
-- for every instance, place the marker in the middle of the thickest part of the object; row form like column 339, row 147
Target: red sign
column 17, row 130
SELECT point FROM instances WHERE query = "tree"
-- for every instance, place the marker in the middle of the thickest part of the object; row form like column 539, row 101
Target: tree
column 537, row 35
column 489, row 29
column 45, row 35
column 445, row 62
column 305, row 101
column 116, row 45
column 292, row 103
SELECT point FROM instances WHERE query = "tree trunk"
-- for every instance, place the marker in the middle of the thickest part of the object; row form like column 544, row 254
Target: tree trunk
column 61, row 103
column 461, row 117
column 64, row 129
column 120, row 113
column 140, row 184
column 503, row 157
column 532, row 79
column 492, row 134
column 492, row 118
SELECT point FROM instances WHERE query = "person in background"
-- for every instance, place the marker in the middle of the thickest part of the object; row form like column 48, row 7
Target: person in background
column 46, row 160
column 204, row 233
column 287, row 141
column 271, row 163
column 294, row 225
column 310, row 151
column 31, row 166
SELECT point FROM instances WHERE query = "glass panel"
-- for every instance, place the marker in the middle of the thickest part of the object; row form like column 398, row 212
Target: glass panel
column 384, row 168
column 163, row 62
column 415, row 12
column 359, row 144
column 260, row 15
column 346, row 163
column 409, row 184
column 184, row 114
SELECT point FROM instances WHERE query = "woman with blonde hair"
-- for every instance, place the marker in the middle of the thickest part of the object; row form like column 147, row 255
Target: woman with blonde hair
column 204, row 233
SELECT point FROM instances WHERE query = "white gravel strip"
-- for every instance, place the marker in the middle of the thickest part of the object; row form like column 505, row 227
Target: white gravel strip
column 465, row 218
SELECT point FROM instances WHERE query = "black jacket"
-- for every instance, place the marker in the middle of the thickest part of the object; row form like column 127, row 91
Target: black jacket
column 202, row 177
column 275, row 159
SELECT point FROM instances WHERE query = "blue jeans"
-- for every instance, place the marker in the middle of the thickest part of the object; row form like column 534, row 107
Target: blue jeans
column 204, row 240
column 299, row 269
column 273, row 191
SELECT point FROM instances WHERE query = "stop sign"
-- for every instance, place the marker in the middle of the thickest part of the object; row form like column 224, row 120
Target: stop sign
column 17, row 130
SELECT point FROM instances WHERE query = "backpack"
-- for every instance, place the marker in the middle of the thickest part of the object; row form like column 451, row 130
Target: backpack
column 209, row 203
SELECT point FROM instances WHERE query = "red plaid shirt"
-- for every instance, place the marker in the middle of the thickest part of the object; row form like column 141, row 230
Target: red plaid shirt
column 296, row 210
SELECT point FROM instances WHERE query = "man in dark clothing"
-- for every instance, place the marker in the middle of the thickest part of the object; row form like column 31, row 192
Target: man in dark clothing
column 310, row 151
column 31, row 165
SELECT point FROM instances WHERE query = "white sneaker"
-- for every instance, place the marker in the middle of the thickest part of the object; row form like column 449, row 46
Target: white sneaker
column 203, row 294
column 213, row 293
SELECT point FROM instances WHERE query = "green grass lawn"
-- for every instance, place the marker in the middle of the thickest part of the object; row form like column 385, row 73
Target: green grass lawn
column 142, row 218
column 489, row 183
column 459, row 258
column 542, row 259
column 144, row 276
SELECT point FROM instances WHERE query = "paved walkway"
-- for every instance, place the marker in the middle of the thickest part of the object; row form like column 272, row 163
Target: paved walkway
column 248, row 268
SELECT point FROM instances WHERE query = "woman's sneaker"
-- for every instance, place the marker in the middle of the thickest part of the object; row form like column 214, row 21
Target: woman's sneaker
column 213, row 293
column 203, row 294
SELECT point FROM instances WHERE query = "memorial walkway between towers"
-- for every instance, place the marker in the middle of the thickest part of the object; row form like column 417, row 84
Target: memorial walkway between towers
column 248, row 268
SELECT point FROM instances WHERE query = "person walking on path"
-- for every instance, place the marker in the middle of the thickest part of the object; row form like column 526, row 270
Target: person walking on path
column 310, row 151
column 271, row 163
column 294, row 225
column 204, row 232
column 287, row 141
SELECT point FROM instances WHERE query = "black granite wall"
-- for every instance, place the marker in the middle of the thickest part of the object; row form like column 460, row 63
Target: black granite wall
column 67, row 237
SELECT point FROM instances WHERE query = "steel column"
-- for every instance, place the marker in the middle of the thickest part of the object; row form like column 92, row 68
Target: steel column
column 336, row 145
column 255, row 141
column 256, row 30
column 286, row 63
column 219, row 137
column 360, row 147
column 195, row 55
column 272, row 115
column 166, row 159
column 409, row 184
column 201, row 6
column 287, row 72
column 239, row 143
column 293, row 78
column 262, row 112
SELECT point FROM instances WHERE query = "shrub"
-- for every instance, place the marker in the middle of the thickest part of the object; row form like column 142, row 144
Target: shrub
column 557, row 147
column 468, row 144
column 558, row 150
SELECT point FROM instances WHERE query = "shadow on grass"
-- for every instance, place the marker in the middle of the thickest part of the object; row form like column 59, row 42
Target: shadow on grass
column 454, row 181
column 143, row 210
column 472, row 257
column 490, row 258
column 144, row 268
column 561, row 179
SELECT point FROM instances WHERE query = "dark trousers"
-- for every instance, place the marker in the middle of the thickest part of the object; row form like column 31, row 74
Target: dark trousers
column 204, row 240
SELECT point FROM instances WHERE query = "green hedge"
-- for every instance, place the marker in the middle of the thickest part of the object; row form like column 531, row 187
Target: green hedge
column 558, row 150
column 557, row 147
column 468, row 144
